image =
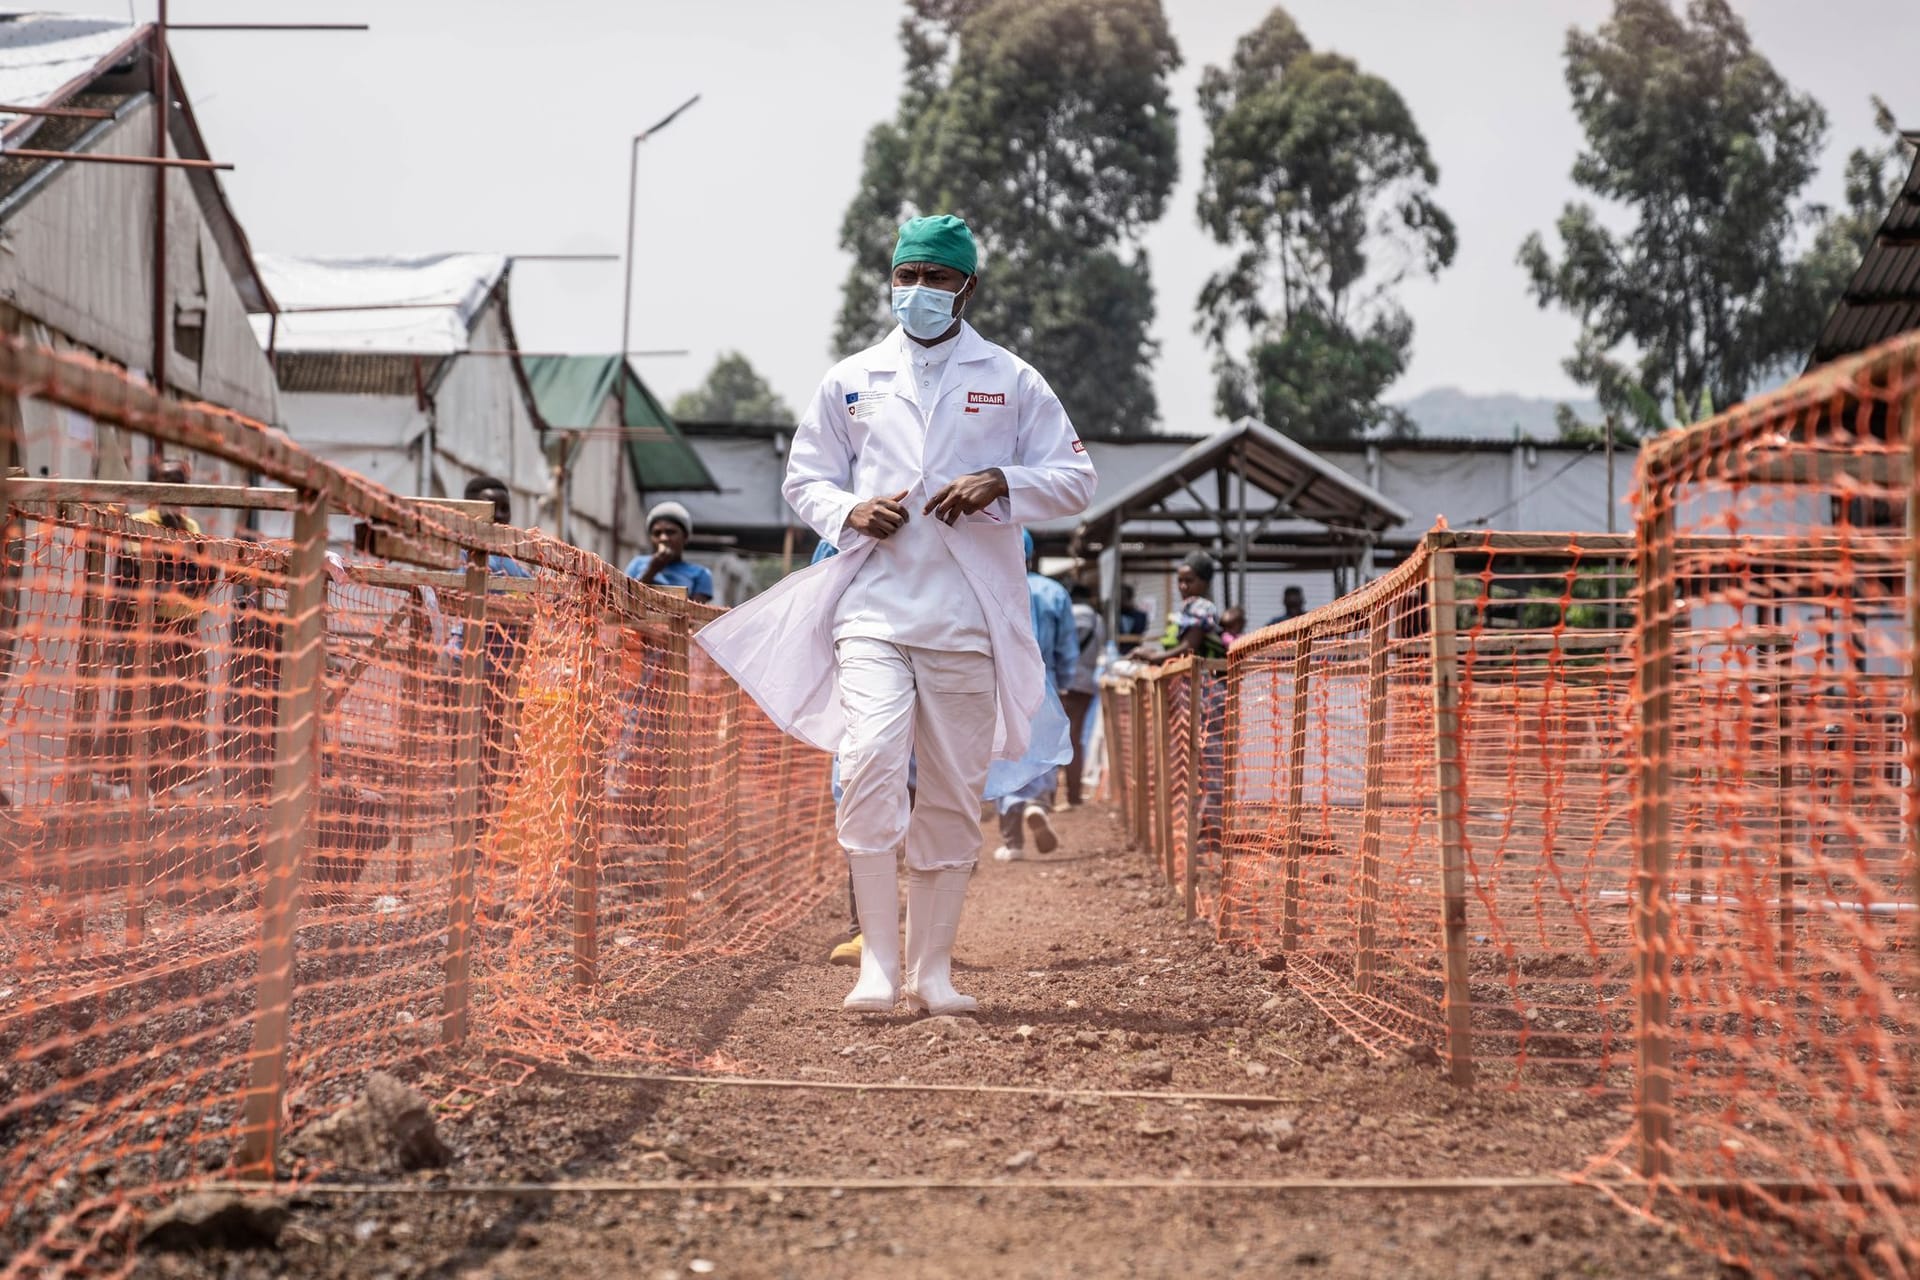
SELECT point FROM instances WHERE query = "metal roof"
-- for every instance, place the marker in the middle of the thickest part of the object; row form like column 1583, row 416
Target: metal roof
column 51, row 60
column 1301, row 490
column 569, row 392
column 422, row 304
column 1883, row 298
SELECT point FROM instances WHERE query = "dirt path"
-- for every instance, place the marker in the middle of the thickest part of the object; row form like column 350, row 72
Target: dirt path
column 1088, row 980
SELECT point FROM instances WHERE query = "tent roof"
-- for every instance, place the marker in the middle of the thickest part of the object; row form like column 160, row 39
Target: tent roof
column 1304, row 494
column 423, row 304
column 569, row 392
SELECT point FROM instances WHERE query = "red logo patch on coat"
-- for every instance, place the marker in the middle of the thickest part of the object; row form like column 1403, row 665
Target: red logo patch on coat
column 1078, row 447
column 986, row 397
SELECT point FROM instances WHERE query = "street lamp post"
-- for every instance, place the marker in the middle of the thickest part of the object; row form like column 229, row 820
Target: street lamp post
column 626, row 313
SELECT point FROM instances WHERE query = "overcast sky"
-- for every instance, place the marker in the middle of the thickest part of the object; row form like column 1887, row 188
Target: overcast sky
column 502, row 124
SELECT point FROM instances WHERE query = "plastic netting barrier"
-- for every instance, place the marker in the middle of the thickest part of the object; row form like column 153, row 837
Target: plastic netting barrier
column 271, row 815
column 1632, row 816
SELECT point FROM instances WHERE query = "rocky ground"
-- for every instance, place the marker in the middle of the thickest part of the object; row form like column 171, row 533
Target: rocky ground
column 1088, row 980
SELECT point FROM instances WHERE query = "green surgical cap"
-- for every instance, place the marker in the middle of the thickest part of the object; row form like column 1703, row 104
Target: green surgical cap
column 942, row 239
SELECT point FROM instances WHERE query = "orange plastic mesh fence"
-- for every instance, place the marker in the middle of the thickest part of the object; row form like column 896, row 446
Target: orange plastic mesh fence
column 1778, row 886
column 1634, row 816
column 1307, row 802
column 271, row 816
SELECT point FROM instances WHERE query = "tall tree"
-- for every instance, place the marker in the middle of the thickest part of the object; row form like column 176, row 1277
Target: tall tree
column 1873, row 178
column 1047, row 125
column 1318, row 176
column 1705, row 149
column 733, row 392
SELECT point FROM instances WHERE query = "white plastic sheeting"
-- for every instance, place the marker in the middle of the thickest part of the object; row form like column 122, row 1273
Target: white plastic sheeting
column 422, row 305
column 41, row 53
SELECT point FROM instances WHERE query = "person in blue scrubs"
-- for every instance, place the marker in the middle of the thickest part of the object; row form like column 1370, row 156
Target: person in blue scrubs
column 668, row 528
column 1028, row 808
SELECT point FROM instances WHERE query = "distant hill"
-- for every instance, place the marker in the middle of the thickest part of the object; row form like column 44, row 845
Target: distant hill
column 1448, row 413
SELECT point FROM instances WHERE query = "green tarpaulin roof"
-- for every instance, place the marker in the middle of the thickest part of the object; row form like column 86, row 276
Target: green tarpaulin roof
column 569, row 391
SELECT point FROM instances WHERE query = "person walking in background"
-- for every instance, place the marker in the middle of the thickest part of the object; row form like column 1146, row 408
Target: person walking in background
column 1029, row 807
column 1132, row 619
column 1293, row 603
column 1090, row 635
column 919, row 458
column 668, row 528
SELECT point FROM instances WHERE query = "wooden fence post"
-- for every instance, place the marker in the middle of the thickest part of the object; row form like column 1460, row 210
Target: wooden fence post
column 1196, row 808
column 1296, row 792
column 412, row 710
column 469, row 739
column 1138, row 694
column 1163, row 801
column 1653, row 840
column 140, row 757
column 1374, row 796
column 1910, row 425
column 590, row 819
column 732, row 752
column 679, row 737
column 1453, row 812
column 1227, row 923
column 82, row 744
column 1112, row 781
column 296, row 745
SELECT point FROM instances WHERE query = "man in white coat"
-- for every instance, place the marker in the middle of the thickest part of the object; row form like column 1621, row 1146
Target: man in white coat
column 920, row 458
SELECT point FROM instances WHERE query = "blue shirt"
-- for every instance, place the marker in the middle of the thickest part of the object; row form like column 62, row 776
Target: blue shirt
column 1053, row 629
column 681, row 573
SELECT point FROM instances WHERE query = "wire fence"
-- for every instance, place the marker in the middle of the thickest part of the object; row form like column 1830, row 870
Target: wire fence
column 1632, row 817
column 272, row 815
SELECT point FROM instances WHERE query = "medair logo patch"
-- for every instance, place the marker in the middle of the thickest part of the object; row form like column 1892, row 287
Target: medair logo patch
column 986, row 397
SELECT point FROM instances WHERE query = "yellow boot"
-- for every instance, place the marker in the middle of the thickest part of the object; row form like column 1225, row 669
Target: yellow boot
column 847, row 953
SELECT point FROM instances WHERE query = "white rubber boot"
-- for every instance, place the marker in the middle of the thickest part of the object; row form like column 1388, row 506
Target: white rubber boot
column 935, row 900
column 876, row 899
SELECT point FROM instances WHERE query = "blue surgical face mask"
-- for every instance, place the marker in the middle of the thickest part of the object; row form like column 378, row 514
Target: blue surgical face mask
column 923, row 311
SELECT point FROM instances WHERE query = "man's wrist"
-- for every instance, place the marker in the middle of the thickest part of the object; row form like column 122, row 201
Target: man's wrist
column 1001, row 476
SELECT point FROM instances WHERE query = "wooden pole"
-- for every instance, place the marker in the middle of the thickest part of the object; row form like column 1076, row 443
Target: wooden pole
column 590, row 822
column 140, row 776
column 680, row 737
column 1786, row 828
column 289, row 831
column 1653, row 839
column 1910, row 426
column 732, row 755
column 1374, row 797
column 1453, row 809
column 1137, row 693
column 82, row 743
column 469, row 742
column 1226, row 928
column 412, row 738
column 1113, row 782
column 1163, row 774
column 1196, row 715
column 1296, row 818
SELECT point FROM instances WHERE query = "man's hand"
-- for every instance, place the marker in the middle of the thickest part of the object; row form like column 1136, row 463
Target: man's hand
column 879, row 518
column 968, row 494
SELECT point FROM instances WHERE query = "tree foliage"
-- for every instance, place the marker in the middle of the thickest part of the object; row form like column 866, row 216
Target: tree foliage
column 1047, row 125
column 1319, row 179
column 733, row 392
column 1873, row 179
column 1699, row 142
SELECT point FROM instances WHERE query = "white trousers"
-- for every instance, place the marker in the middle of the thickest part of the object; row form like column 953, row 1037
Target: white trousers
column 904, row 703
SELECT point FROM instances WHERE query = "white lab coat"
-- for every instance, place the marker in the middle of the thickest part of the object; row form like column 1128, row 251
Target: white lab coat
column 867, row 435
